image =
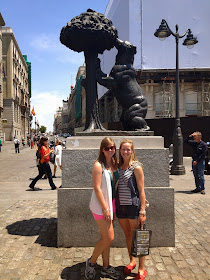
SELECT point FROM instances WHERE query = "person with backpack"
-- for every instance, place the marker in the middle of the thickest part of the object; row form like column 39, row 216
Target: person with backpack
column 17, row 144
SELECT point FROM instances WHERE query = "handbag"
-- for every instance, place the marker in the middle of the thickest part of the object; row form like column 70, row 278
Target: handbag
column 140, row 242
column 52, row 158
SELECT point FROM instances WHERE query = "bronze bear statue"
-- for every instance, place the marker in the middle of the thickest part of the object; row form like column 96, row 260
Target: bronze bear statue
column 122, row 81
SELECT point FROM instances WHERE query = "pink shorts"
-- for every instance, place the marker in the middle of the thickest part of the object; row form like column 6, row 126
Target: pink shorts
column 100, row 217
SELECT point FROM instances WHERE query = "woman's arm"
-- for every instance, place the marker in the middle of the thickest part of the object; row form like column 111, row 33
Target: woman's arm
column 97, row 177
column 139, row 174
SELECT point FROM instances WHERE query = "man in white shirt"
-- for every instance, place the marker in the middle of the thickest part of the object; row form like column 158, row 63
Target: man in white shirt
column 17, row 144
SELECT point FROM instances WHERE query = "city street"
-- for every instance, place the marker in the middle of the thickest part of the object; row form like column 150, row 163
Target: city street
column 28, row 223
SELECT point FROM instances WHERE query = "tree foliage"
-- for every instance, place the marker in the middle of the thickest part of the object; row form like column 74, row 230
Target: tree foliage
column 43, row 129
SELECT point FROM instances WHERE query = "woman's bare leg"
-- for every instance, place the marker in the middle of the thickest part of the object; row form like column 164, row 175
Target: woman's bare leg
column 128, row 225
column 55, row 167
column 125, row 225
column 103, row 245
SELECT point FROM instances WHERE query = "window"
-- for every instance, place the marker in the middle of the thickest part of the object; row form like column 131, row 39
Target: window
column 192, row 106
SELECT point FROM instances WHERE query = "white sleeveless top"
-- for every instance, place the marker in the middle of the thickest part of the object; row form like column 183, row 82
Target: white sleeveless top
column 106, row 188
column 58, row 151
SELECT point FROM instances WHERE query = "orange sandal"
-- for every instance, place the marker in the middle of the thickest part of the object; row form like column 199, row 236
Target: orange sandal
column 141, row 277
column 129, row 268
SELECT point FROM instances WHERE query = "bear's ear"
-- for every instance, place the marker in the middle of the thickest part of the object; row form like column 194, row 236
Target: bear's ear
column 118, row 43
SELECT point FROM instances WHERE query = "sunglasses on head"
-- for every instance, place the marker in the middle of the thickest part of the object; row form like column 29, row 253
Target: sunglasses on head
column 109, row 148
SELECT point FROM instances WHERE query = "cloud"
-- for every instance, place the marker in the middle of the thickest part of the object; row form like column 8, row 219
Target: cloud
column 46, row 42
column 50, row 43
column 45, row 105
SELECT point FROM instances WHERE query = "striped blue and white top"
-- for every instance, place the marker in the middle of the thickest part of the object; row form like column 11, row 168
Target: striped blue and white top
column 123, row 188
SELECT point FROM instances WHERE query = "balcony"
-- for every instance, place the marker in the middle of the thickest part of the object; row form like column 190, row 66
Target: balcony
column 17, row 99
column 15, row 78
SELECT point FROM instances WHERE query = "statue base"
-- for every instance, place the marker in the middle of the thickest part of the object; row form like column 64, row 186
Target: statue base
column 99, row 132
column 77, row 227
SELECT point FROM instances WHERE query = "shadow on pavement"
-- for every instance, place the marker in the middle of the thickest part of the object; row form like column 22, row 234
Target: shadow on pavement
column 35, row 189
column 40, row 179
column 46, row 229
column 77, row 272
column 186, row 192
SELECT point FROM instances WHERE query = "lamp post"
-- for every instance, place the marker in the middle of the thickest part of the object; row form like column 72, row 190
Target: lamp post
column 162, row 33
column 37, row 123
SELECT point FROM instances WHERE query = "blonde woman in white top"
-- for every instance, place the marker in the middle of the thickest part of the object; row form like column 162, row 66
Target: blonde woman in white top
column 102, row 205
column 58, row 156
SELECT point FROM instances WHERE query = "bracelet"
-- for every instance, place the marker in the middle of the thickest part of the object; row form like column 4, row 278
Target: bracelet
column 142, row 213
column 106, row 210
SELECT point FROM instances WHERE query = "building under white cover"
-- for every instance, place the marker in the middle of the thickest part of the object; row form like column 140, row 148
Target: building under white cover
column 155, row 61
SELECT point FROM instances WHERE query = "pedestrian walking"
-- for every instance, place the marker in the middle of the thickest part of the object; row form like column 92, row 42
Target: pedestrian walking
column 38, row 157
column 28, row 141
column 58, row 156
column 103, row 208
column 32, row 143
column 44, row 167
column 0, row 144
column 17, row 144
column 23, row 142
column 198, row 160
column 130, row 201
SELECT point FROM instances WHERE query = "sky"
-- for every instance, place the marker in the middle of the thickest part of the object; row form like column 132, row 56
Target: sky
column 36, row 26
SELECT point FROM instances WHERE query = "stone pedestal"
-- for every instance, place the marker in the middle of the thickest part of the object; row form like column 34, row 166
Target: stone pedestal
column 76, row 226
column 106, row 133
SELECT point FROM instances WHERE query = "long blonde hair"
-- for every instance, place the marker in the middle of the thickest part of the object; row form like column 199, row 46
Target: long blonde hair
column 101, row 157
column 133, row 158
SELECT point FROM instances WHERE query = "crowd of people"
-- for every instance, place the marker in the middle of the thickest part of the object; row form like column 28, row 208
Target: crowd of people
column 32, row 141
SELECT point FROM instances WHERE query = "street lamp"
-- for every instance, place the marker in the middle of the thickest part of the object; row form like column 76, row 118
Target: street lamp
column 162, row 33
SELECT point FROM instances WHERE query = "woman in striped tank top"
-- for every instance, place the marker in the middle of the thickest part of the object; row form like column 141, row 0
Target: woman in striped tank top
column 130, row 200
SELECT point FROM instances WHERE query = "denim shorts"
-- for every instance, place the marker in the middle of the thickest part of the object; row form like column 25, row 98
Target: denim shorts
column 127, row 212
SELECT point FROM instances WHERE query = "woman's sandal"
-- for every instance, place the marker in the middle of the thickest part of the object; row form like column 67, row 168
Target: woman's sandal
column 141, row 277
column 129, row 268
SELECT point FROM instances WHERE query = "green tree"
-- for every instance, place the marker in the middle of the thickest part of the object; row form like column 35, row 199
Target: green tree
column 42, row 129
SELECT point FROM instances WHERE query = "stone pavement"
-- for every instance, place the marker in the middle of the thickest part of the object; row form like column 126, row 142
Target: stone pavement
column 28, row 229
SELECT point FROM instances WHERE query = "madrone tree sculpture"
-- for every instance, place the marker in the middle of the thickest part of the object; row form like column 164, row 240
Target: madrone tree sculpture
column 92, row 33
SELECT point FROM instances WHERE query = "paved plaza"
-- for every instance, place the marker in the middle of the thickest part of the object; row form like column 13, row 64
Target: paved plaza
column 28, row 224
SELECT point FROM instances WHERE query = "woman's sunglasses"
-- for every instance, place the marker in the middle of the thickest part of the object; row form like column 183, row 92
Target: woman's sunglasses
column 109, row 148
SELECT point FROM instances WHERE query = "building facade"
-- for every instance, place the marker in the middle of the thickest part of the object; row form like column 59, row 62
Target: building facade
column 57, row 125
column 65, row 117
column 77, row 104
column 16, row 98
column 2, row 23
